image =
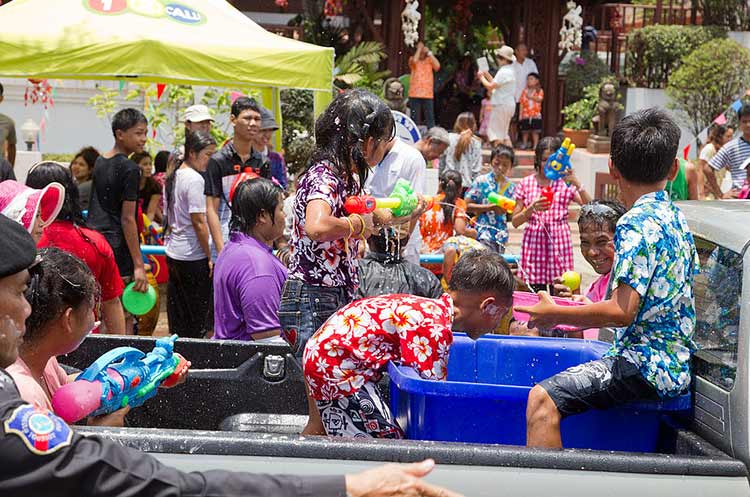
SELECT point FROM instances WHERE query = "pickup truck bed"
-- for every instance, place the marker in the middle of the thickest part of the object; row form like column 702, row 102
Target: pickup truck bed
column 181, row 426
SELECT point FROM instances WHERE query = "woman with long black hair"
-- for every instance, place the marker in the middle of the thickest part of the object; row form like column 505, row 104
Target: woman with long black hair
column 189, row 290
column 69, row 233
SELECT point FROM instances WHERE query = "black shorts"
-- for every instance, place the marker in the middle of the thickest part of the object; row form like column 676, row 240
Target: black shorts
column 530, row 124
column 601, row 384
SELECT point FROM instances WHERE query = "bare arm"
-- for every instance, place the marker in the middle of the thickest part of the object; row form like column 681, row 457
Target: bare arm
column 12, row 153
column 152, row 211
column 322, row 226
column 691, row 174
column 620, row 310
column 214, row 225
column 711, row 183
column 130, row 230
column 433, row 60
column 200, row 225
column 113, row 317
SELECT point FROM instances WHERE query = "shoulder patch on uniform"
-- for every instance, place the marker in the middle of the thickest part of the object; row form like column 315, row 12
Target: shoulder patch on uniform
column 41, row 431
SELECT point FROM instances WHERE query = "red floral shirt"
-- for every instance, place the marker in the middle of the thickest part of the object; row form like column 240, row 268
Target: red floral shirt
column 356, row 343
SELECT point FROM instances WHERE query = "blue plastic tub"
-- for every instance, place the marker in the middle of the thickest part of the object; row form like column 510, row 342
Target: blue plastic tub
column 484, row 399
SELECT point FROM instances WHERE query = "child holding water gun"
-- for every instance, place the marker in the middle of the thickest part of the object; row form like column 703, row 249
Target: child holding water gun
column 446, row 216
column 351, row 137
column 63, row 294
column 546, row 247
column 491, row 222
column 651, row 303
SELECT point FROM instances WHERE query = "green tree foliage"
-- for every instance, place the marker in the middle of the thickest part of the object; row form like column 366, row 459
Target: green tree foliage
column 655, row 52
column 298, row 128
column 359, row 68
column 708, row 81
column 580, row 71
column 732, row 15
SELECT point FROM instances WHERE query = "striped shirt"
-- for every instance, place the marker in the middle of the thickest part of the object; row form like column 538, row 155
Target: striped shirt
column 732, row 156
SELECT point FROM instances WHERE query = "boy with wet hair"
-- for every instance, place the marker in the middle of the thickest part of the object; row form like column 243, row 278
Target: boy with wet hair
column 651, row 285
column 346, row 357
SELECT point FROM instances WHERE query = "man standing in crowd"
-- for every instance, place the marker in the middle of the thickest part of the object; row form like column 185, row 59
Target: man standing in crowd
column 114, row 198
column 404, row 161
column 522, row 67
column 197, row 118
column 268, row 126
column 732, row 156
column 225, row 166
column 69, row 464
column 7, row 134
column 423, row 65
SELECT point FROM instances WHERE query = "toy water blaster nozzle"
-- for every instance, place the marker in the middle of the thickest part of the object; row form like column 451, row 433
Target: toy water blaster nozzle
column 505, row 203
column 124, row 376
column 402, row 201
column 558, row 164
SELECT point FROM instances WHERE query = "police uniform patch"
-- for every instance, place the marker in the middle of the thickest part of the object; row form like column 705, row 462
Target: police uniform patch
column 42, row 431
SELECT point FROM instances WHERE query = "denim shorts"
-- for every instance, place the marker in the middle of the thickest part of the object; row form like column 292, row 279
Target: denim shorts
column 303, row 310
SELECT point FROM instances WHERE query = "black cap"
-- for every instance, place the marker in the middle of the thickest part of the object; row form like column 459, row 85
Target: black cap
column 17, row 248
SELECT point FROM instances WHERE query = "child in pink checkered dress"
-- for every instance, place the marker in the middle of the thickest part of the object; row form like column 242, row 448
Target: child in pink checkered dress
column 546, row 248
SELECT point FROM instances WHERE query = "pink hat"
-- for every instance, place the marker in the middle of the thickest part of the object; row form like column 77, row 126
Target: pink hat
column 21, row 203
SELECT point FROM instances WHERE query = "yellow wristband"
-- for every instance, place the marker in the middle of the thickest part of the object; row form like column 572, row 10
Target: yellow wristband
column 361, row 234
column 351, row 228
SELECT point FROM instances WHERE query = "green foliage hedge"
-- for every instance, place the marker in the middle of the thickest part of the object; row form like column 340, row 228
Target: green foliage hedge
column 654, row 52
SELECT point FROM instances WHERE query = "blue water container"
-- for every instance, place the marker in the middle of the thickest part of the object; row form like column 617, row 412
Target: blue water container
column 484, row 398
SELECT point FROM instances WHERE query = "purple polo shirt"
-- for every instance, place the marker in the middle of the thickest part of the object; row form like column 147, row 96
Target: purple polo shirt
column 247, row 289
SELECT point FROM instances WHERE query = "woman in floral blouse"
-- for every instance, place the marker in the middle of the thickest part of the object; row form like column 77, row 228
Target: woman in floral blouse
column 351, row 137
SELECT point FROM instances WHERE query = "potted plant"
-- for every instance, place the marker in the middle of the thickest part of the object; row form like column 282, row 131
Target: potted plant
column 578, row 116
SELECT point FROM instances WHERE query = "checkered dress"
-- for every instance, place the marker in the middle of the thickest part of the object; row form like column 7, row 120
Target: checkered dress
column 546, row 248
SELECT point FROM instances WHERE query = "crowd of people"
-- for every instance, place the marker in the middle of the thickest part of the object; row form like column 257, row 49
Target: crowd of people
column 254, row 256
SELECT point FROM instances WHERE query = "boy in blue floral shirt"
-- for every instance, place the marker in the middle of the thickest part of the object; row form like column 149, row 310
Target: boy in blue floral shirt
column 491, row 221
column 651, row 292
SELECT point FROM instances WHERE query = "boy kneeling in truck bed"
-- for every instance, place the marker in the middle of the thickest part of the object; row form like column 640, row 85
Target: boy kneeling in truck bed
column 346, row 357
column 651, row 292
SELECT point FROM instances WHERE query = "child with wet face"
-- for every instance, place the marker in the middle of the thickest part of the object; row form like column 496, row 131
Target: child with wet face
column 345, row 358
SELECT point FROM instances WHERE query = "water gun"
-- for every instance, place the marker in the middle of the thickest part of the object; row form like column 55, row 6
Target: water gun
column 548, row 193
column 559, row 163
column 505, row 203
column 402, row 201
column 124, row 376
column 153, row 230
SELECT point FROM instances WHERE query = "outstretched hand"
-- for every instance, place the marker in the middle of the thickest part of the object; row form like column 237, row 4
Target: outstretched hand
column 543, row 314
column 396, row 480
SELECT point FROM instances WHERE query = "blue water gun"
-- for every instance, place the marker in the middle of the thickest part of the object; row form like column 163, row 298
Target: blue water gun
column 124, row 376
column 558, row 164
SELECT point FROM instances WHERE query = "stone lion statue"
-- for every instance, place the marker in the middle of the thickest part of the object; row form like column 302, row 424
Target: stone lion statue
column 393, row 91
column 608, row 109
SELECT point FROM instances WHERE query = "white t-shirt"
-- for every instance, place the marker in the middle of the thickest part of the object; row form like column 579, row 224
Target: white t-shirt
column 708, row 152
column 403, row 161
column 522, row 71
column 505, row 93
column 182, row 242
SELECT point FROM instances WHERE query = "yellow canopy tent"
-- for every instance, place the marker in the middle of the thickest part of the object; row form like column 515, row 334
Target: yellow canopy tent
column 192, row 42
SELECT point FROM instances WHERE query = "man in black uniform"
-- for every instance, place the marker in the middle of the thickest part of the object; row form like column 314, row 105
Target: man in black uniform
column 40, row 455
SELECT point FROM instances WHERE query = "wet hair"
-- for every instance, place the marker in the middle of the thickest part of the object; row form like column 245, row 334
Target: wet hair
column 546, row 144
column 126, row 119
column 604, row 213
column 387, row 241
column 644, row 146
column 465, row 124
column 243, row 104
column 45, row 173
column 195, row 141
column 58, row 281
column 340, row 133
column 161, row 160
column 451, row 183
column 139, row 156
column 252, row 197
column 89, row 156
column 481, row 271
column 744, row 111
column 503, row 151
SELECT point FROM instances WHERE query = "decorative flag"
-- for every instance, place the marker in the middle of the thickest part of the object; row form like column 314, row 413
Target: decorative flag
column 685, row 152
column 722, row 119
column 121, row 85
column 235, row 95
column 737, row 105
column 160, row 87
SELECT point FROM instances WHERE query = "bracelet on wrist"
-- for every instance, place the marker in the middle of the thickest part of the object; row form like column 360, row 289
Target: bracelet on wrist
column 361, row 233
column 351, row 228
